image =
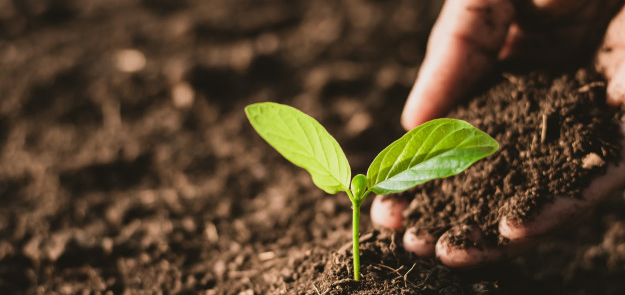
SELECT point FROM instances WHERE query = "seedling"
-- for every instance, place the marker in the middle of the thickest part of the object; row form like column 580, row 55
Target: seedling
column 436, row 149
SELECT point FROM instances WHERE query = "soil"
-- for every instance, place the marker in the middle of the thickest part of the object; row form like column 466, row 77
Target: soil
column 127, row 165
column 556, row 134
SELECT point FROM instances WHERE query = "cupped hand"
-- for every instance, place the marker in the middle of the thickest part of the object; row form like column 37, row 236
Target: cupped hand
column 387, row 213
column 469, row 40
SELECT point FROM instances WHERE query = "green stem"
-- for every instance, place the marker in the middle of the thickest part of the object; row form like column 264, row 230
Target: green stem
column 365, row 194
column 356, row 224
column 351, row 196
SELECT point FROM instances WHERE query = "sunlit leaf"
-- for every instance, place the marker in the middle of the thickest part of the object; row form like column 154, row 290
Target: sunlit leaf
column 436, row 149
column 304, row 142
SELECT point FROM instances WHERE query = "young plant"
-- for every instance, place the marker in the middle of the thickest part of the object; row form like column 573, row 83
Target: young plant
column 436, row 149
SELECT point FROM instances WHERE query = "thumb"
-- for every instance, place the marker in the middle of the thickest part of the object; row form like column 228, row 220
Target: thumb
column 462, row 48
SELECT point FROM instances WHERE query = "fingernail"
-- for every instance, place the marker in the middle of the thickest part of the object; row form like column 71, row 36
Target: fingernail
column 560, row 212
column 464, row 247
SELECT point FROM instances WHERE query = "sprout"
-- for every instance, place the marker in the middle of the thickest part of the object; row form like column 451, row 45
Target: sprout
column 436, row 149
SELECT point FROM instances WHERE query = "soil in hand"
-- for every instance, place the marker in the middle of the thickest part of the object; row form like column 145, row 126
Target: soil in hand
column 556, row 134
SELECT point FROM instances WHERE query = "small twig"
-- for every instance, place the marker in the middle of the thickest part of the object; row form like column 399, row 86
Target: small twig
column 396, row 271
column 406, row 275
column 316, row 289
column 587, row 87
column 393, row 244
column 391, row 269
column 427, row 277
column 367, row 237
column 400, row 268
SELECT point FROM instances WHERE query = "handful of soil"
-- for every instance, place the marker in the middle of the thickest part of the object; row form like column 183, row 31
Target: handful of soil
column 556, row 134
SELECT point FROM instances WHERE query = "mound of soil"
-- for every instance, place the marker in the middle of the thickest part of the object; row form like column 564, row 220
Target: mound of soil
column 556, row 134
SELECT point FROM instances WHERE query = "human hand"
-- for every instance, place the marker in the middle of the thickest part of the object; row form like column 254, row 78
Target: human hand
column 469, row 39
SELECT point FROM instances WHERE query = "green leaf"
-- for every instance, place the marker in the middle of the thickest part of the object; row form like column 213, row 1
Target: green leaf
column 436, row 149
column 304, row 142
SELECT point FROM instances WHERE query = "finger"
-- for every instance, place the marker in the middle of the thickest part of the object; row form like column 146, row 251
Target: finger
column 419, row 242
column 462, row 48
column 615, row 92
column 387, row 212
column 475, row 253
column 610, row 59
column 564, row 211
column 551, row 216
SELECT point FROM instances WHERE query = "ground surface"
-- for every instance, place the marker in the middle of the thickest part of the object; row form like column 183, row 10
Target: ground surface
column 124, row 177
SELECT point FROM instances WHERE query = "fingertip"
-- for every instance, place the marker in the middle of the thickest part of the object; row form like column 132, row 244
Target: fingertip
column 419, row 242
column 417, row 110
column 388, row 212
column 409, row 115
column 615, row 92
column 551, row 216
column 472, row 254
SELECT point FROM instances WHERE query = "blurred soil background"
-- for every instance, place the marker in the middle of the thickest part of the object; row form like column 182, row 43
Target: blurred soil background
column 127, row 165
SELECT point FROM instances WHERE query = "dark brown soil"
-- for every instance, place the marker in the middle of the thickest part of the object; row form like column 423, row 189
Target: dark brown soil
column 152, row 181
column 549, row 128
column 387, row 269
